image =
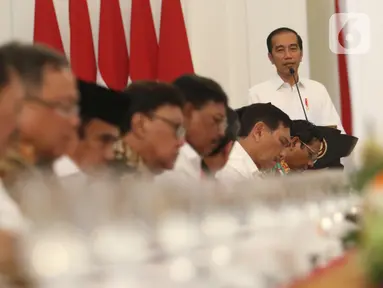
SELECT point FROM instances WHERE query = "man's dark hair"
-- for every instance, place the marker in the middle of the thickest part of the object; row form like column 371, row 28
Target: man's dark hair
column 29, row 61
column 231, row 132
column 267, row 113
column 147, row 96
column 200, row 90
column 4, row 71
column 305, row 131
column 269, row 40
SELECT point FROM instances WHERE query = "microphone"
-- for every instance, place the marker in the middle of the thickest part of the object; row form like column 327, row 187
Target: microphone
column 292, row 72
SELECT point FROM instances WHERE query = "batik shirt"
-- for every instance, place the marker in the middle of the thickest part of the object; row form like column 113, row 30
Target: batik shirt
column 281, row 168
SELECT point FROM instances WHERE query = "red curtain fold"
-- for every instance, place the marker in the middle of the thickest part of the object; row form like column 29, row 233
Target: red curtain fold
column 82, row 56
column 46, row 28
column 113, row 58
column 143, row 42
column 345, row 95
column 174, row 57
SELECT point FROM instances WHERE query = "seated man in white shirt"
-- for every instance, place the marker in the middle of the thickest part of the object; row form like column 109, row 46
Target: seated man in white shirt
column 153, row 129
column 101, row 112
column 265, row 132
column 205, row 123
column 285, row 51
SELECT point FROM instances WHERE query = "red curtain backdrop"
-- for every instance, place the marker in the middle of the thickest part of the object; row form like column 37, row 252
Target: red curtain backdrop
column 143, row 42
column 82, row 56
column 113, row 58
column 46, row 28
column 174, row 57
column 345, row 96
column 165, row 59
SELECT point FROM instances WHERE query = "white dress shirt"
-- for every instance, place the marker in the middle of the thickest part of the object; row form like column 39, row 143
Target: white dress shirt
column 240, row 167
column 187, row 168
column 11, row 218
column 64, row 166
column 316, row 101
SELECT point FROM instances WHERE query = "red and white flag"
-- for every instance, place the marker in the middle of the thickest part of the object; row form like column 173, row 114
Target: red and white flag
column 174, row 57
column 82, row 56
column 143, row 42
column 46, row 28
column 113, row 58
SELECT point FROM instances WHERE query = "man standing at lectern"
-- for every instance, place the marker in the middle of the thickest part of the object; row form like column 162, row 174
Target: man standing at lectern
column 285, row 51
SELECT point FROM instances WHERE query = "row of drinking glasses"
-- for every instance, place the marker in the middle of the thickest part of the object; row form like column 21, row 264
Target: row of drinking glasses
column 257, row 234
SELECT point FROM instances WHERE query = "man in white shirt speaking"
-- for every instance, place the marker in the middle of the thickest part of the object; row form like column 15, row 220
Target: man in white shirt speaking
column 285, row 51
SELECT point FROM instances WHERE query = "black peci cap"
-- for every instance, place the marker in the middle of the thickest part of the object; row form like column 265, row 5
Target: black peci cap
column 334, row 147
column 102, row 103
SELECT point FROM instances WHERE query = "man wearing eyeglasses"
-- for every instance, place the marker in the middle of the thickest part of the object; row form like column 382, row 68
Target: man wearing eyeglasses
column 48, row 112
column 45, row 121
column 306, row 141
column 205, row 122
column 49, row 115
column 153, row 129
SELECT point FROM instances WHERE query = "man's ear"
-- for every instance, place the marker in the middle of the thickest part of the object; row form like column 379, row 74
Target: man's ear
column 188, row 110
column 271, row 58
column 137, row 124
column 258, row 130
column 300, row 59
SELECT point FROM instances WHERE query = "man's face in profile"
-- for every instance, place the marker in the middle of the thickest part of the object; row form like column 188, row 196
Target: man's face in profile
column 50, row 113
column 302, row 155
column 207, row 126
column 97, row 143
column 10, row 105
column 272, row 145
column 162, row 133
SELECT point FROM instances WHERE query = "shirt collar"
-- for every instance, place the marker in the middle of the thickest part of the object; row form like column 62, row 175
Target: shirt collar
column 190, row 153
column 64, row 166
column 277, row 82
column 282, row 168
column 247, row 161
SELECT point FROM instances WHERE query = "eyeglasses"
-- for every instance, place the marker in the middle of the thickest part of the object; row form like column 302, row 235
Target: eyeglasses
column 178, row 128
column 60, row 108
column 312, row 154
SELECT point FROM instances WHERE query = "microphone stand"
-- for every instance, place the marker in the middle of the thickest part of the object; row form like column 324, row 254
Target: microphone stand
column 292, row 72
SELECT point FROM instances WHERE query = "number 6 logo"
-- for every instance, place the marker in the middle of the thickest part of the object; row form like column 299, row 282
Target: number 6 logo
column 349, row 33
